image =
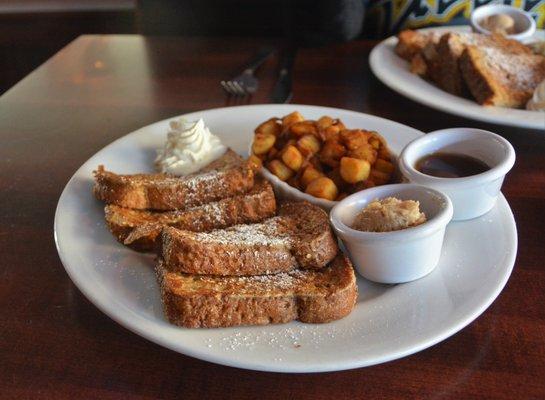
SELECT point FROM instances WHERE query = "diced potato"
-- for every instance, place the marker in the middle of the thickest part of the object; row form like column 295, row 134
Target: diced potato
column 375, row 136
column 280, row 169
column 338, row 123
column 331, row 153
column 384, row 166
column 291, row 119
column 254, row 162
column 365, row 152
column 353, row 138
column 292, row 157
column 309, row 144
column 309, row 174
column 303, row 128
column 375, row 142
column 263, row 143
column 324, row 122
column 332, row 133
column 270, row 127
column 379, row 178
column 322, row 187
column 354, row 170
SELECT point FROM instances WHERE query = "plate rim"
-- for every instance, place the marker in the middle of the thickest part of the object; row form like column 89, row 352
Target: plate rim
column 470, row 111
column 138, row 324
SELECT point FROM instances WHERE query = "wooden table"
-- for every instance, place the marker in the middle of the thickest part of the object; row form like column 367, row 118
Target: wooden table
column 56, row 344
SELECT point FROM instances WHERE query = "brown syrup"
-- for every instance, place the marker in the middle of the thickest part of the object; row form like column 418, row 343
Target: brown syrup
column 449, row 165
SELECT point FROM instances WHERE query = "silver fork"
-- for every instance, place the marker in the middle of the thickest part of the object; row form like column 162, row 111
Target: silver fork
column 246, row 83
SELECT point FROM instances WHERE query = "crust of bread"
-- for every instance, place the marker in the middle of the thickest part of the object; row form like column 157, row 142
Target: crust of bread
column 228, row 176
column 411, row 43
column 448, row 76
column 312, row 296
column 300, row 236
column 140, row 229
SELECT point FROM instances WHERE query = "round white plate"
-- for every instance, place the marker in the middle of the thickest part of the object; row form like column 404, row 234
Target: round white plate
column 388, row 322
column 394, row 72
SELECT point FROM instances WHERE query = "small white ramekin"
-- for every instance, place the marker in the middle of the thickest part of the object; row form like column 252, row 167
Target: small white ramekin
column 398, row 256
column 524, row 23
column 471, row 196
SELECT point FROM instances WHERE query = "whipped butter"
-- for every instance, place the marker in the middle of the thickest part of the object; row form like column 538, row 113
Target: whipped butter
column 389, row 214
column 190, row 146
column 499, row 23
column 537, row 102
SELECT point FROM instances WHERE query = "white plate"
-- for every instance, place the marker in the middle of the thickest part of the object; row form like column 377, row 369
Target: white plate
column 388, row 322
column 394, row 72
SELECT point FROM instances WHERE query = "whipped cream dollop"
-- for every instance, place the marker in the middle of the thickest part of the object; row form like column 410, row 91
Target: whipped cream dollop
column 190, row 146
column 537, row 102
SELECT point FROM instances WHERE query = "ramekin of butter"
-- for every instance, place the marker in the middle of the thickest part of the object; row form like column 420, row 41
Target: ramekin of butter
column 402, row 253
column 507, row 20
column 471, row 195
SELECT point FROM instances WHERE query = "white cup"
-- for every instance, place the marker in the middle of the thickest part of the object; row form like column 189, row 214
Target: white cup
column 398, row 256
column 525, row 26
column 471, row 196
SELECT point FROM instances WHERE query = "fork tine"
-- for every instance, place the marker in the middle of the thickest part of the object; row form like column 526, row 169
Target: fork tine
column 226, row 87
column 234, row 88
column 240, row 88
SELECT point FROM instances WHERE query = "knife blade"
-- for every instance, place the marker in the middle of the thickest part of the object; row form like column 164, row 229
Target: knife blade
column 282, row 91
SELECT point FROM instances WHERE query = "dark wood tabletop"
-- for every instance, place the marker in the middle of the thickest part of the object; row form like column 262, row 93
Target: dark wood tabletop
column 56, row 344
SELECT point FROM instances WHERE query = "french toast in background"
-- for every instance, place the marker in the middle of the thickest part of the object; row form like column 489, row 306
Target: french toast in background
column 411, row 43
column 299, row 237
column 489, row 73
column 227, row 176
column 139, row 229
column 312, row 296
column 491, row 69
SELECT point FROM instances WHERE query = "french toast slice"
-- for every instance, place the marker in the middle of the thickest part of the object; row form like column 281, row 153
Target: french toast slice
column 139, row 229
column 411, row 42
column 499, row 78
column 312, row 296
column 228, row 176
column 452, row 45
column 300, row 236
column 447, row 75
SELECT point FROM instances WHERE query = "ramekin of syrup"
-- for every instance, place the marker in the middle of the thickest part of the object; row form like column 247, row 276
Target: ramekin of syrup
column 450, row 165
column 466, row 164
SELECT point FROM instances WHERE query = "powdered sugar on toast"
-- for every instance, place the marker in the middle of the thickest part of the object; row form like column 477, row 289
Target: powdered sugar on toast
column 271, row 233
column 513, row 69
